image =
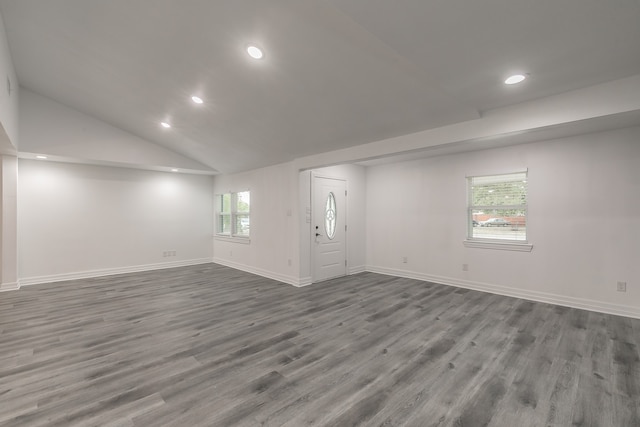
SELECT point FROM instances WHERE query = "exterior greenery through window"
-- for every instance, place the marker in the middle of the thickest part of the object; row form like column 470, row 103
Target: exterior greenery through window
column 498, row 207
column 233, row 214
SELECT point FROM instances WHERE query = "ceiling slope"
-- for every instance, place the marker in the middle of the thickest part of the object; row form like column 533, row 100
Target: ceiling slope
column 61, row 133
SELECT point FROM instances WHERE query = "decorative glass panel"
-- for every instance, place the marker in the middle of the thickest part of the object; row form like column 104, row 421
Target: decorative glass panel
column 330, row 216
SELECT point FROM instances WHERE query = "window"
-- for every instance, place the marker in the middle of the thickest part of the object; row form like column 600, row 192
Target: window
column 233, row 214
column 497, row 209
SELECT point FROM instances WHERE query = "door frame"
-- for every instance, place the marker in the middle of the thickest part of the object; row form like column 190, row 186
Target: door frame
column 312, row 237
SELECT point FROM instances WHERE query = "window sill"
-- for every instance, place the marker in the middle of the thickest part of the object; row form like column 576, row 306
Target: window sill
column 232, row 239
column 503, row 246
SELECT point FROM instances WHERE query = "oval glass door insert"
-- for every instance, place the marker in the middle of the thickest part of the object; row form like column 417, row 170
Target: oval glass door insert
column 330, row 216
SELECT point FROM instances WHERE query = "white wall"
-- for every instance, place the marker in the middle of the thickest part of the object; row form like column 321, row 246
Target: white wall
column 8, row 221
column 274, row 219
column 9, row 89
column 280, row 242
column 584, row 216
column 79, row 220
column 8, row 101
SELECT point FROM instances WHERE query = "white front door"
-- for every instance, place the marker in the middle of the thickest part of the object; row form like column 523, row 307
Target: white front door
column 328, row 228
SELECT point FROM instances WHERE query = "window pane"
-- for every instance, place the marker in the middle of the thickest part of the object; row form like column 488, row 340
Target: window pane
column 242, row 225
column 225, row 202
column 505, row 224
column 498, row 207
column 224, row 224
column 243, row 201
column 499, row 190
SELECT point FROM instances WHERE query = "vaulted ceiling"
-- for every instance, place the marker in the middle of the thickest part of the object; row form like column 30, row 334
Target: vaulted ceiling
column 336, row 73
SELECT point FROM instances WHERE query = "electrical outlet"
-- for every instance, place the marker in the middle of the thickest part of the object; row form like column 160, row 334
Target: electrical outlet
column 405, row 260
column 622, row 286
column 289, row 262
column 465, row 267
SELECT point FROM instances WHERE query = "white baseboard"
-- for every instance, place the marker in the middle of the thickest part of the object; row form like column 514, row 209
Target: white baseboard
column 290, row 280
column 11, row 286
column 305, row 281
column 109, row 272
column 356, row 269
column 563, row 300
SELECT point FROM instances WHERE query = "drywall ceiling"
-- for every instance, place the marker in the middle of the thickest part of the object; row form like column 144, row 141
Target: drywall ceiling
column 336, row 73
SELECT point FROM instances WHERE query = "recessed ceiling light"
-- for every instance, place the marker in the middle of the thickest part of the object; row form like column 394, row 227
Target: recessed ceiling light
column 174, row 170
column 197, row 99
column 516, row 78
column 41, row 157
column 165, row 125
column 255, row 52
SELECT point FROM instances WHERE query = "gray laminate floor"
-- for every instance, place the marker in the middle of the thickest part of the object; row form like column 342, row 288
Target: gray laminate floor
column 211, row 346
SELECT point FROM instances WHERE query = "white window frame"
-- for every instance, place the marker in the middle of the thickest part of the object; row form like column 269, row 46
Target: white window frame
column 233, row 214
column 495, row 243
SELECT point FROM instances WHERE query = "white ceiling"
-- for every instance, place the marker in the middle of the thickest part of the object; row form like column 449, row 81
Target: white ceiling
column 337, row 73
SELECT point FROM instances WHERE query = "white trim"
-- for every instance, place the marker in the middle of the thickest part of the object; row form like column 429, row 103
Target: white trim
column 503, row 246
column 10, row 286
column 304, row 281
column 356, row 269
column 290, row 280
column 563, row 300
column 109, row 271
column 232, row 239
column 321, row 175
column 484, row 175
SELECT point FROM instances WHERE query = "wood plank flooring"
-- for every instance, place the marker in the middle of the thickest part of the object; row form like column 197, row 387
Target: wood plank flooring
column 211, row 346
